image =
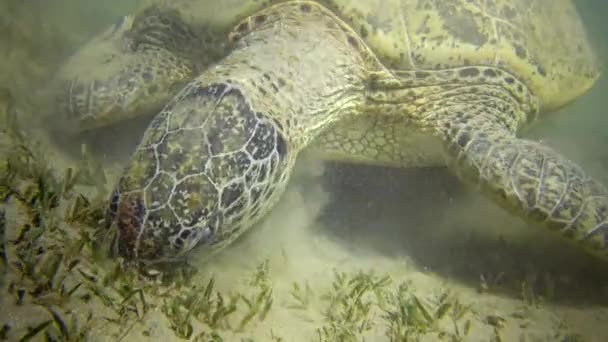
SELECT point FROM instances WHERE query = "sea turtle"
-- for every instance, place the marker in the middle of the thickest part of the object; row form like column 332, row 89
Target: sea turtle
column 241, row 87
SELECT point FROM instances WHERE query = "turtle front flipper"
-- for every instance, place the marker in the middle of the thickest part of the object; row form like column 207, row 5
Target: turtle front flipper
column 131, row 69
column 525, row 176
column 219, row 155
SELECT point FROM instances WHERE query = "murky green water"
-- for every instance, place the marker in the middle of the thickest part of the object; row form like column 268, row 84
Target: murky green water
column 460, row 269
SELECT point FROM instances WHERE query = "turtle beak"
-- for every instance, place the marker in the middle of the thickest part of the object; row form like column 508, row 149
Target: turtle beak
column 127, row 213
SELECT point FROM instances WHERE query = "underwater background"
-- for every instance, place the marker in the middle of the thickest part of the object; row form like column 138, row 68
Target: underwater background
column 351, row 253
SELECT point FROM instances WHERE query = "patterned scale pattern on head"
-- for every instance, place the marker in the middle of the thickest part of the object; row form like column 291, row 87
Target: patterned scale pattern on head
column 197, row 179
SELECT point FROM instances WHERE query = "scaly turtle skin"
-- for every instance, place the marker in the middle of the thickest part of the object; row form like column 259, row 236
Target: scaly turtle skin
column 399, row 82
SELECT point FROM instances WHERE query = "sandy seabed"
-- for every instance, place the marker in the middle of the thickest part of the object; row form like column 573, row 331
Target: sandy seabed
column 425, row 260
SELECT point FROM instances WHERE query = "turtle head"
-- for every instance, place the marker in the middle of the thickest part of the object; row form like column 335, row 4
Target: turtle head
column 208, row 166
column 131, row 68
column 219, row 155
